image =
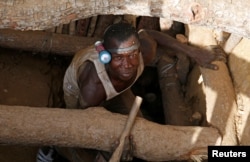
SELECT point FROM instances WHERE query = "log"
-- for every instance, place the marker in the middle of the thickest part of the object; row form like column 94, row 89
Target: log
column 146, row 22
column 98, row 128
column 44, row 42
column 229, row 16
column 221, row 105
column 231, row 43
column 92, row 26
column 239, row 64
column 103, row 22
column 131, row 19
column 72, row 28
column 82, row 27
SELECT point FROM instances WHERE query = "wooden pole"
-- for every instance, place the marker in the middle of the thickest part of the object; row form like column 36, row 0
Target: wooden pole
column 125, row 133
column 98, row 128
column 44, row 42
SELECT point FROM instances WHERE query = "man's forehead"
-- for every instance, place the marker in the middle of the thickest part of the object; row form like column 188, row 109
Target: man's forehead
column 123, row 50
column 118, row 42
column 124, row 46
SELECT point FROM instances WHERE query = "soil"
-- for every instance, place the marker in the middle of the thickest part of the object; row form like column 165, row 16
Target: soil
column 29, row 79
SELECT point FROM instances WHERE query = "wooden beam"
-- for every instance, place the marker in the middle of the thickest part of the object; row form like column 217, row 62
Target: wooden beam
column 44, row 42
column 98, row 128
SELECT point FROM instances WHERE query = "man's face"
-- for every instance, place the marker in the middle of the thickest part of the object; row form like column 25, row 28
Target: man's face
column 125, row 61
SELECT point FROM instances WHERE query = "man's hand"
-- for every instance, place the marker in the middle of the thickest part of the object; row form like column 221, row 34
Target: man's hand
column 128, row 149
column 205, row 57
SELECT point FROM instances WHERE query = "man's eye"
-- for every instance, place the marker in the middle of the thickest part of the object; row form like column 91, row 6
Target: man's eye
column 117, row 58
column 132, row 55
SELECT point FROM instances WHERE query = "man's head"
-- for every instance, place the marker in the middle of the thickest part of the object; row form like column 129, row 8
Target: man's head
column 119, row 32
column 122, row 41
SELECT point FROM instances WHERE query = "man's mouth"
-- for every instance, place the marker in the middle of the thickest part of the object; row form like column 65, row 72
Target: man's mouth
column 127, row 73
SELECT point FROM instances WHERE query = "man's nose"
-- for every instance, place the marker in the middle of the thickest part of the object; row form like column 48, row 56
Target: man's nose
column 127, row 63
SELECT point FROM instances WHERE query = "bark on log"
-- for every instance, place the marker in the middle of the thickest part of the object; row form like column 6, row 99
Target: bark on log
column 239, row 64
column 231, row 43
column 44, row 42
column 98, row 128
column 229, row 16
column 220, row 96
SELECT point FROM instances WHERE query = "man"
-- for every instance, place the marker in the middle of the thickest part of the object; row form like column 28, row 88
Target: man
column 88, row 82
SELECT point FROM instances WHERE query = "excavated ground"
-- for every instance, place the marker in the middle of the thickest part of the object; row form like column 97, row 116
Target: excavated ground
column 29, row 80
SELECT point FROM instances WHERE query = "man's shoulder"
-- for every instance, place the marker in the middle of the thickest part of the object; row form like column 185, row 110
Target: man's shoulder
column 89, row 49
column 85, row 54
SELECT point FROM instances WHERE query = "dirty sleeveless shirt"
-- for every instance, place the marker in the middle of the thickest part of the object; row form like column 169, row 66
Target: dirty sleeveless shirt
column 70, row 85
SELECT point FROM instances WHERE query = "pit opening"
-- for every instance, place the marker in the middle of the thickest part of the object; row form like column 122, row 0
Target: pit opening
column 32, row 78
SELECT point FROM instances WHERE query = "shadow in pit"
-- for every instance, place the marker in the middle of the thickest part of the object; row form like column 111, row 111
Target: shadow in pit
column 29, row 79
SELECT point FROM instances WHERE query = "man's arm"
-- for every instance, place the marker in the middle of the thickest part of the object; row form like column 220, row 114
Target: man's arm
column 203, row 57
column 92, row 92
